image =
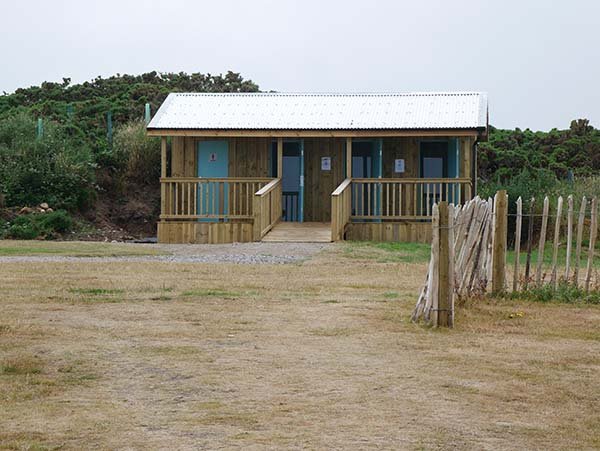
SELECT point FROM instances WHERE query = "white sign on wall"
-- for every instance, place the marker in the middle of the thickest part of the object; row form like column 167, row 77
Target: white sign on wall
column 325, row 163
column 212, row 157
column 399, row 165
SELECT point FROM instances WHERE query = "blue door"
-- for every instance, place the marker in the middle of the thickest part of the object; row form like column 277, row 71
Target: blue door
column 213, row 162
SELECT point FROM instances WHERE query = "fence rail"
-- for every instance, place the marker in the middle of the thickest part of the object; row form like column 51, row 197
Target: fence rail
column 210, row 198
column 267, row 208
column 406, row 198
column 341, row 209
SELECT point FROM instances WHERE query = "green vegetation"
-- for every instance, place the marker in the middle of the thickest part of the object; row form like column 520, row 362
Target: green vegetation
column 75, row 161
column 20, row 366
column 565, row 293
column 217, row 293
column 509, row 152
column 562, row 255
column 44, row 225
column 57, row 169
column 95, row 291
column 74, row 249
column 387, row 252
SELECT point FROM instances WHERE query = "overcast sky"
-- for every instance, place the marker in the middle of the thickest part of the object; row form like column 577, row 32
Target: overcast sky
column 538, row 60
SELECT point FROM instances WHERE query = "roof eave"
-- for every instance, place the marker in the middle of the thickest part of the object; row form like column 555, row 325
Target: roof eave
column 292, row 133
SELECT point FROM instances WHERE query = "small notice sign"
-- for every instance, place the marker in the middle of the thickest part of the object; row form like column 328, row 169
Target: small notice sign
column 399, row 165
column 212, row 157
column 325, row 163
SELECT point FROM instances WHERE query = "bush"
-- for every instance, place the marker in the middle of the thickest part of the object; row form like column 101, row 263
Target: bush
column 137, row 154
column 525, row 184
column 35, row 225
column 55, row 168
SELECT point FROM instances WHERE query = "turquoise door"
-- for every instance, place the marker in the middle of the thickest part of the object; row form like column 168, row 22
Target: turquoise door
column 213, row 162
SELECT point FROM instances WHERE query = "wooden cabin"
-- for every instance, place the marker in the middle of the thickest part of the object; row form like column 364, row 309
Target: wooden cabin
column 313, row 167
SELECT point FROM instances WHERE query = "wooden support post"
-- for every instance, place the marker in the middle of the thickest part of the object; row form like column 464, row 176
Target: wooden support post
column 529, row 242
column 163, row 156
column 518, row 244
column 569, row 236
column 592, row 247
column 499, row 241
column 553, row 278
column 280, row 158
column 542, row 243
column 444, row 312
column 451, row 273
column 163, row 173
column 348, row 158
column 580, row 221
column 432, row 316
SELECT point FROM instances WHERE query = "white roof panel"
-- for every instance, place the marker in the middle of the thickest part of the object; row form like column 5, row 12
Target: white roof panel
column 275, row 111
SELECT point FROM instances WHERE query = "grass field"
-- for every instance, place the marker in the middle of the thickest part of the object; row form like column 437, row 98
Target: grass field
column 317, row 355
column 75, row 249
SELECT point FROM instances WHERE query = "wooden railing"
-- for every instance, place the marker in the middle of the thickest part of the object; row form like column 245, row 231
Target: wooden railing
column 341, row 209
column 406, row 198
column 291, row 206
column 266, row 208
column 210, row 198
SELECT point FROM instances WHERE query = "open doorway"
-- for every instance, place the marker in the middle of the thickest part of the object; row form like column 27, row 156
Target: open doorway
column 366, row 164
column 291, row 182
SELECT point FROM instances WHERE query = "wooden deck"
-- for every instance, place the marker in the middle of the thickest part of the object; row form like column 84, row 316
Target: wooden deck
column 296, row 232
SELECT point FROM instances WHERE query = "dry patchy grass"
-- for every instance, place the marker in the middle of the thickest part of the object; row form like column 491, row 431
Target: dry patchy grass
column 319, row 355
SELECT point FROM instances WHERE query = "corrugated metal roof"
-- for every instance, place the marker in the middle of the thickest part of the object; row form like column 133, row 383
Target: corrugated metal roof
column 268, row 111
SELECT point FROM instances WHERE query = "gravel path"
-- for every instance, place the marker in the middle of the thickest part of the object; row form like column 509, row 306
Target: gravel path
column 238, row 253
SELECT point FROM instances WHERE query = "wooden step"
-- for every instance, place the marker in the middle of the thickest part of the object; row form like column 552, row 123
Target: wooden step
column 296, row 232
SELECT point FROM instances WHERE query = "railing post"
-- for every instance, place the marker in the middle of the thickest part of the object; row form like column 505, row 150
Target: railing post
column 257, row 215
column 334, row 218
column 499, row 241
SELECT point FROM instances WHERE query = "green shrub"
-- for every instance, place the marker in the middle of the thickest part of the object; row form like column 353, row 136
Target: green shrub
column 137, row 154
column 56, row 221
column 35, row 225
column 56, row 168
column 22, row 231
column 525, row 184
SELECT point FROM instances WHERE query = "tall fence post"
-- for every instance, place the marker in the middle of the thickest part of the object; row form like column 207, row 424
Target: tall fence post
column 39, row 131
column 147, row 116
column 445, row 277
column 499, row 241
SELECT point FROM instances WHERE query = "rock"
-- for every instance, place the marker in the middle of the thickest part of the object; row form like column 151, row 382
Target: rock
column 25, row 211
column 49, row 210
column 44, row 206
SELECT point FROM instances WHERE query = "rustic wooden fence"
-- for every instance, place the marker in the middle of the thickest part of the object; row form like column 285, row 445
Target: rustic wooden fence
column 469, row 248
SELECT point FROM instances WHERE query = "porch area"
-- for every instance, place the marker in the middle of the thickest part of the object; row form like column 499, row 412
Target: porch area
column 226, row 210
